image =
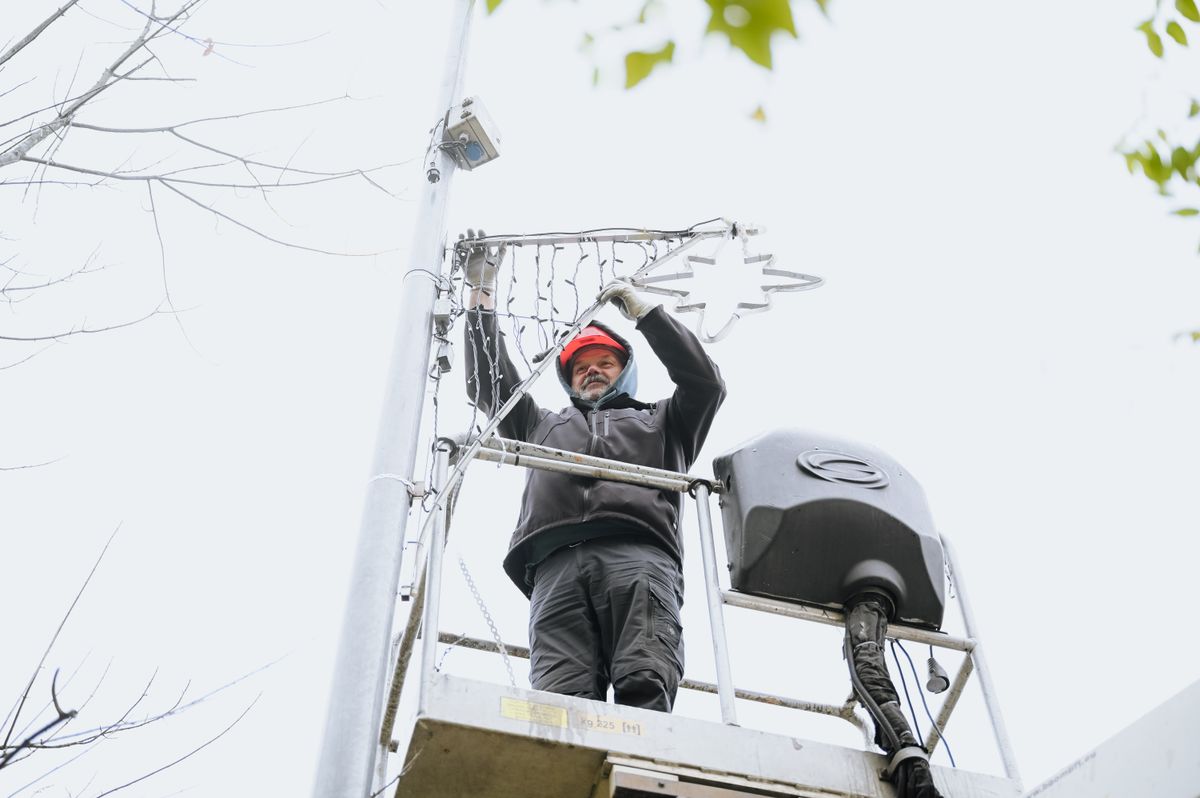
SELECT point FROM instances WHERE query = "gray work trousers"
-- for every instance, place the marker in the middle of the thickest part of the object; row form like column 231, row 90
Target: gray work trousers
column 607, row 611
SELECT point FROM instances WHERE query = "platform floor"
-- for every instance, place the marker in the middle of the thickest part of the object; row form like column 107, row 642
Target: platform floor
column 492, row 741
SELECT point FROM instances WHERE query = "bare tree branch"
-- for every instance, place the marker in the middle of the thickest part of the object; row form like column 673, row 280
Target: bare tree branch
column 165, row 178
column 52, row 770
column 36, row 32
column 28, row 742
column 59, row 105
column 261, row 234
column 85, row 269
column 228, row 117
column 162, row 256
column 80, row 330
column 173, row 130
column 30, row 465
column 106, row 20
column 20, row 85
column 25, row 359
column 61, row 137
column 151, row 78
column 25, row 694
column 96, row 689
column 88, row 736
column 109, row 77
column 52, row 702
column 64, row 183
column 193, row 182
column 208, row 45
column 194, row 751
column 145, row 693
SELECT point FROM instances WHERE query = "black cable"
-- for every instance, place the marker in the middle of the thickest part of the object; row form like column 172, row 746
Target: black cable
column 882, row 726
column 928, row 714
column 912, row 712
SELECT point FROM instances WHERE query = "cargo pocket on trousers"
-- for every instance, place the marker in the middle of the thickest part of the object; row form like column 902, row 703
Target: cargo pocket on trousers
column 665, row 625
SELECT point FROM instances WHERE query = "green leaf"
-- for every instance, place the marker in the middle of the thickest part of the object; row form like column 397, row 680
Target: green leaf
column 492, row 5
column 1156, row 169
column 595, row 76
column 824, row 4
column 1182, row 161
column 1188, row 9
column 1152, row 166
column 750, row 24
column 639, row 65
column 759, row 115
column 1176, row 32
column 1153, row 41
column 1186, row 212
column 644, row 13
column 1195, row 109
column 1195, row 336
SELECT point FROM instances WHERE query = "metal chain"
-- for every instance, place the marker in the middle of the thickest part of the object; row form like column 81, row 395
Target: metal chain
column 487, row 616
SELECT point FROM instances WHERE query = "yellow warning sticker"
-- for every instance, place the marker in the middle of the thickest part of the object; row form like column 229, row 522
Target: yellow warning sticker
column 545, row 714
column 609, row 724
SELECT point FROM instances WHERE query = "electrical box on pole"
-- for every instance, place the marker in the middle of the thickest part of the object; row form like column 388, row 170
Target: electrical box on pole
column 471, row 135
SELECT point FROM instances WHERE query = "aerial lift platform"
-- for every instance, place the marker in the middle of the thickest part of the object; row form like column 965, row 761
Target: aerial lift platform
column 472, row 738
column 494, row 741
column 485, row 740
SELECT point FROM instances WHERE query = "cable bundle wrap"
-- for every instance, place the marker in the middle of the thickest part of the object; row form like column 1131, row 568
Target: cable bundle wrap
column 908, row 767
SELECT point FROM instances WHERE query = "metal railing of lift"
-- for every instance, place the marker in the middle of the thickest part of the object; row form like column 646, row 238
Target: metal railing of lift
column 425, row 589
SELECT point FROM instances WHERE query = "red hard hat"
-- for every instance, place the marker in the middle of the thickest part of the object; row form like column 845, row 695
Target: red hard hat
column 590, row 336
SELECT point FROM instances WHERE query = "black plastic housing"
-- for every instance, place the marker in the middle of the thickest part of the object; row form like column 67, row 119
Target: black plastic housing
column 818, row 520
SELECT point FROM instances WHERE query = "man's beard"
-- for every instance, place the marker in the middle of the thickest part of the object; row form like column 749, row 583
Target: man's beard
column 593, row 390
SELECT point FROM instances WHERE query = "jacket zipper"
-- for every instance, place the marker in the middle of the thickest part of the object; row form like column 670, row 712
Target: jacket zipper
column 587, row 489
column 607, row 413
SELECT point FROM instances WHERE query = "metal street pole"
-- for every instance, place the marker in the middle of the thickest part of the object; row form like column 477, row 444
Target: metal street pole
column 350, row 743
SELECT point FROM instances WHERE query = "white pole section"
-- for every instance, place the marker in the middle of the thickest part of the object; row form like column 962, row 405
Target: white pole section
column 716, row 611
column 433, row 583
column 1003, row 742
column 361, row 669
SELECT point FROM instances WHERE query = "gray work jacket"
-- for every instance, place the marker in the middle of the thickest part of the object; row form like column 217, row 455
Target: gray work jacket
column 666, row 434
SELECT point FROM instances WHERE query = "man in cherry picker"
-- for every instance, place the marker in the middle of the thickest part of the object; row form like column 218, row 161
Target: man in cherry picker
column 599, row 560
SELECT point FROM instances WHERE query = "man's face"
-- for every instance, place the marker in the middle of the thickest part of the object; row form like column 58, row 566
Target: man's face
column 593, row 371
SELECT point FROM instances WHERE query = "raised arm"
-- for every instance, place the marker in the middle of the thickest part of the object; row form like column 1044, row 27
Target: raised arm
column 699, row 389
column 490, row 373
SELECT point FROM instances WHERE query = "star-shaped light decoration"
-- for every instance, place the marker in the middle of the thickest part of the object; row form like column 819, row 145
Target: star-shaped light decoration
column 685, row 303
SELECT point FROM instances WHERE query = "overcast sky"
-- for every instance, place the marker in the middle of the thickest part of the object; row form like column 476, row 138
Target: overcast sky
column 1000, row 315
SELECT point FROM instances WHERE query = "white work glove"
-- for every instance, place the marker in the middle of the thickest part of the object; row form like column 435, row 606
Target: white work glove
column 625, row 299
column 481, row 261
